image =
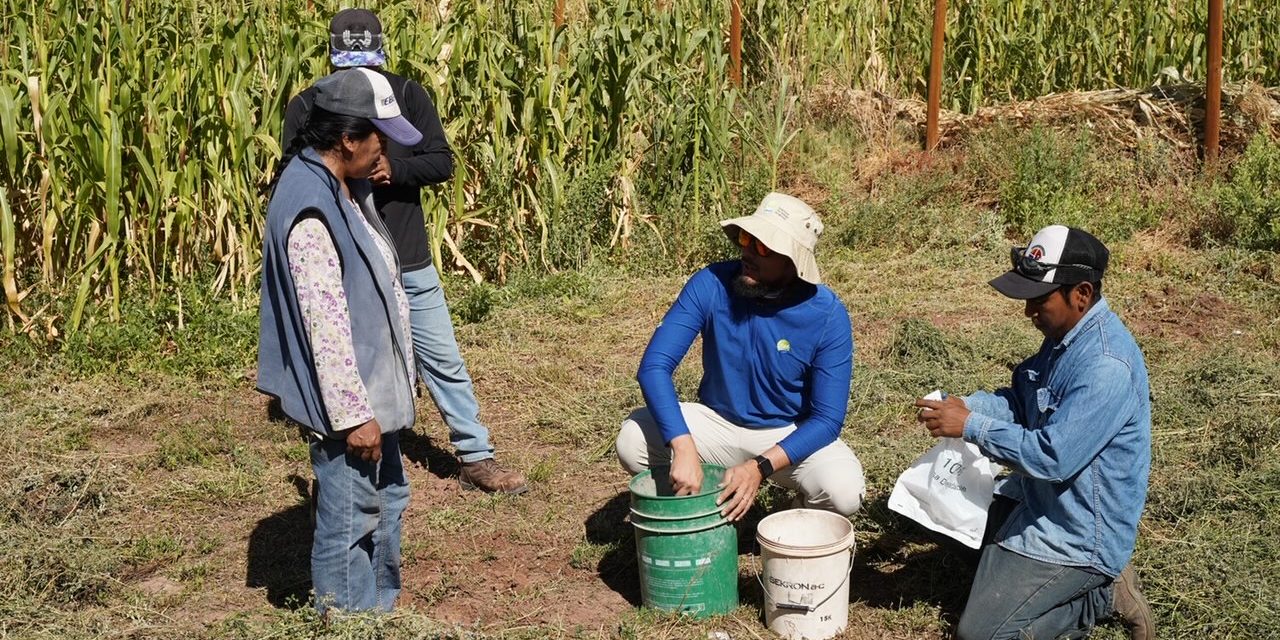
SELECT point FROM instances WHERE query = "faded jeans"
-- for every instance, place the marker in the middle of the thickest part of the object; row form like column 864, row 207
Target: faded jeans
column 1016, row 597
column 355, row 554
column 440, row 364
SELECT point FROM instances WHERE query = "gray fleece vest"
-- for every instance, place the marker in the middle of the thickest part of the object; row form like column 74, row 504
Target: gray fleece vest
column 286, row 367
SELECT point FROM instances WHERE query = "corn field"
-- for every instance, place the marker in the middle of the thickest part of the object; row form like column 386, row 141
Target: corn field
column 137, row 134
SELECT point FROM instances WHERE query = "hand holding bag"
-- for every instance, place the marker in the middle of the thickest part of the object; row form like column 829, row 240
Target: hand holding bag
column 948, row 489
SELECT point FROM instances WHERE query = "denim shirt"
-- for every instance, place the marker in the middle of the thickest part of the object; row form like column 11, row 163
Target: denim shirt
column 1075, row 429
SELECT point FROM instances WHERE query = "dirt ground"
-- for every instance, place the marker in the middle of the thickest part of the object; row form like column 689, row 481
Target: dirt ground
column 471, row 559
column 557, row 557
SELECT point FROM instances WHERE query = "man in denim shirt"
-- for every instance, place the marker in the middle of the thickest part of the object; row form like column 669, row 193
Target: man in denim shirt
column 1074, row 426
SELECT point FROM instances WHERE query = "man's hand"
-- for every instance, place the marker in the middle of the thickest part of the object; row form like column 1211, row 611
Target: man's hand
column 943, row 418
column 366, row 441
column 740, row 486
column 686, row 466
column 381, row 172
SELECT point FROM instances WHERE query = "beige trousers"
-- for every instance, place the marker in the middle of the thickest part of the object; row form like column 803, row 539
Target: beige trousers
column 830, row 479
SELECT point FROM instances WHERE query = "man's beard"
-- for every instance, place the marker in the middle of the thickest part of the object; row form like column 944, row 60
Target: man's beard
column 752, row 289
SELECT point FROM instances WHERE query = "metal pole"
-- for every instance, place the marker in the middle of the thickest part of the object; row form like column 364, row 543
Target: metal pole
column 559, row 13
column 1213, row 101
column 735, row 43
column 935, row 75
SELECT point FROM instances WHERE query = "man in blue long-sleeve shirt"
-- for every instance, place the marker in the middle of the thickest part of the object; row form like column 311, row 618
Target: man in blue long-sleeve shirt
column 777, row 358
column 1075, row 428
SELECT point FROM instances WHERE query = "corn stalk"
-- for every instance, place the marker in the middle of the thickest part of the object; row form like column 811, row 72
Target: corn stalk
column 134, row 137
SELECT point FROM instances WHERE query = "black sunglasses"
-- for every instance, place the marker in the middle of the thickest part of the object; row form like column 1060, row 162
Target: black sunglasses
column 1030, row 267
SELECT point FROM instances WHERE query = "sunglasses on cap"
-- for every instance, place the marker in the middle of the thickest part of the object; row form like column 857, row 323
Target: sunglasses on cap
column 746, row 240
column 1032, row 268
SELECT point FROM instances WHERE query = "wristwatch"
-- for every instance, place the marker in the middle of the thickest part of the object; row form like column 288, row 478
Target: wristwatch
column 765, row 466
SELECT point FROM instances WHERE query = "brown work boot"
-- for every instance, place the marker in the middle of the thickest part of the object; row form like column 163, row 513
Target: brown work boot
column 489, row 476
column 1131, row 606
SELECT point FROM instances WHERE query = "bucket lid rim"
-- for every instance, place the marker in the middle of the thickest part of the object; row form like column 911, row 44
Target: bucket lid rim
column 631, row 485
column 847, row 540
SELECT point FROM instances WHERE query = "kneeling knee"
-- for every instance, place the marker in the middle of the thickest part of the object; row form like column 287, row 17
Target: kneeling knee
column 629, row 445
column 846, row 496
column 846, row 505
column 973, row 627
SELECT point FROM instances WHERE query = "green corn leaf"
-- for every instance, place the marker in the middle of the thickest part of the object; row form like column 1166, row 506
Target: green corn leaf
column 9, row 130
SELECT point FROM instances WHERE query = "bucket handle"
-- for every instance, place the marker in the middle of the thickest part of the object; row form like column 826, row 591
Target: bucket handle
column 797, row 606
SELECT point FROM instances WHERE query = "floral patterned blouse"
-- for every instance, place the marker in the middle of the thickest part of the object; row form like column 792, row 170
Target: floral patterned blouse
column 317, row 278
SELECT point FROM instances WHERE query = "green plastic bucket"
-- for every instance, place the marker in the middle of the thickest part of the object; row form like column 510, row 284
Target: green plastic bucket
column 687, row 552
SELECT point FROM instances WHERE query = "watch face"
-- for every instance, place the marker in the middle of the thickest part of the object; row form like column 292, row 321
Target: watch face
column 764, row 465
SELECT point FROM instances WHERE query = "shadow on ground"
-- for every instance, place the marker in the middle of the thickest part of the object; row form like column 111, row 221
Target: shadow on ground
column 906, row 565
column 279, row 555
column 422, row 450
column 609, row 526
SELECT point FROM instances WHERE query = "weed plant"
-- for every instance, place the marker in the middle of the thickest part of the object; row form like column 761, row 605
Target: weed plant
column 1249, row 203
column 188, row 330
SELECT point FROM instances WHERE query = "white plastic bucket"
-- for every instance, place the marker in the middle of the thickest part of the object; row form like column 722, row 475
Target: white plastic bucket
column 806, row 556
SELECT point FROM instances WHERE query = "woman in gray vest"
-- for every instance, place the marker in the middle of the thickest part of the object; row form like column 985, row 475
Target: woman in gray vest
column 334, row 340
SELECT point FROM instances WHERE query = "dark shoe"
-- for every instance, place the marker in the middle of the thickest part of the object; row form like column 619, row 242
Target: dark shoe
column 1131, row 606
column 489, row 476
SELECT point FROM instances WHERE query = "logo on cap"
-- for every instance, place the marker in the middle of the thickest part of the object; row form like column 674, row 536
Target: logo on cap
column 777, row 211
column 358, row 41
column 1035, row 252
column 388, row 101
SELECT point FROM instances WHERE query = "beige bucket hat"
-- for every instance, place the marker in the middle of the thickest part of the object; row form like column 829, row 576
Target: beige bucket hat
column 786, row 225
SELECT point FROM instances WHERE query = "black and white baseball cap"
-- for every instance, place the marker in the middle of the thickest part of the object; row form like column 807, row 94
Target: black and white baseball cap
column 355, row 39
column 1056, row 256
column 366, row 94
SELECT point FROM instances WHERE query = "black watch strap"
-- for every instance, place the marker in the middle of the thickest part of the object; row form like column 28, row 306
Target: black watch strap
column 765, row 466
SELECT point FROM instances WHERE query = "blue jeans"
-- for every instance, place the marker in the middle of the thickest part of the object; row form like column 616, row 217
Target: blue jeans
column 1014, row 596
column 440, row 364
column 355, row 554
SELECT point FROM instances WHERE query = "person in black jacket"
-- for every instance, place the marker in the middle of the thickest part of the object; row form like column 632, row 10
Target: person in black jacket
column 355, row 40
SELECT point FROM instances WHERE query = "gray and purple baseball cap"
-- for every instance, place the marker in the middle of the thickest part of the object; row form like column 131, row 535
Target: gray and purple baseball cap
column 366, row 94
column 355, row 39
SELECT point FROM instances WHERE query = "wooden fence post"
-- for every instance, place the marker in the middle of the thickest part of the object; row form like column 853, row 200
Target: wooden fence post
column 935, row 75
column 1213, row 88
column 735, row 43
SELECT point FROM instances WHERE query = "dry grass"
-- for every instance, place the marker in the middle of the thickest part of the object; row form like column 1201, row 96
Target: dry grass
column 1121, row 118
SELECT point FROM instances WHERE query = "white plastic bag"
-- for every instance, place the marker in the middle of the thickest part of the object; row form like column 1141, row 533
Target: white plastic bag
column 948, row 489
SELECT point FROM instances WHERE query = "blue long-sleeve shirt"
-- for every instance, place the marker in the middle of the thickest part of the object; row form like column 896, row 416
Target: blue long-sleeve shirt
column 1075, row 426
column 763, row 365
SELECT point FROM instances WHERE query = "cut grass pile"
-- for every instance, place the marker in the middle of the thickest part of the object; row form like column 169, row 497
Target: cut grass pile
column 149, row 495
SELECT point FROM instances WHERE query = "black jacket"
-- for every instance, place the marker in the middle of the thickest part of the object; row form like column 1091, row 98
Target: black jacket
column 429, row 162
